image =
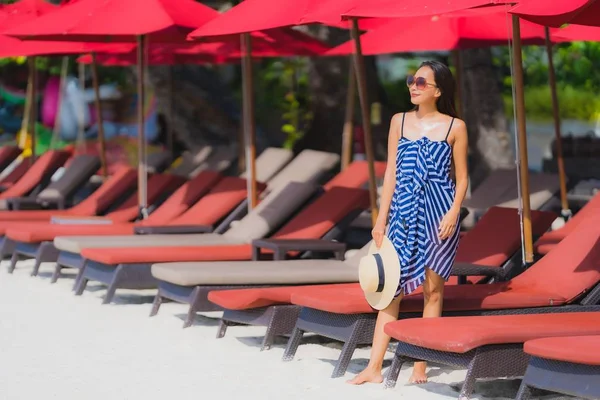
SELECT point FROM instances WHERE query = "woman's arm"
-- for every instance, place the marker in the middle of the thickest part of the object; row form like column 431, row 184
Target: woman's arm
column 459, row 150
column 389, row 179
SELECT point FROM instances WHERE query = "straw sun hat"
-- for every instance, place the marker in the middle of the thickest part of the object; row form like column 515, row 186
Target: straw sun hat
column 379, row 274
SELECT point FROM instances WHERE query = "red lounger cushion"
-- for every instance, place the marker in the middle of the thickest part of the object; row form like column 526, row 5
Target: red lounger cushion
column 242, row 299
column 463, row 334
column 573, row 349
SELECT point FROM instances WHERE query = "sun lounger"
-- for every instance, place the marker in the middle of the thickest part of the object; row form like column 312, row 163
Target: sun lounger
column 130, row 267
column 312, row 165
column 116, row 187
column 36, row 239
column 158, row 185
column 568, row 365
column 59, row 193
column 220, row 160
column 8, row 154
column 565, row 280
column 36, row 177
column 204, row 216
column 481, row 247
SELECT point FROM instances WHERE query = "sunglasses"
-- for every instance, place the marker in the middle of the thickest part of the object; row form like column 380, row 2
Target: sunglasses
column 419, row 82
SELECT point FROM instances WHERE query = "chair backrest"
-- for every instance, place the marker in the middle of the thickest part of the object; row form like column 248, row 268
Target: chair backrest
column 158, row 161
column 183, row 198
column 40, row 172
column 270, row 162
column 322, row 215
column 76, row 174
column 569, row 269
column 15, row 174
column 356, row 175
column 158, row 185
column 216, row 204
column 277, row 207
column 8, row 154
column 190, row 161
column 497, row 236
column 542, row 186
column 114, row 188
column 220, row 159
column 308, row 166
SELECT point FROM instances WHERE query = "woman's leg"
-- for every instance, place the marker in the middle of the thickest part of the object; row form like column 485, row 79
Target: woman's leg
column 372, row 373
column 433, row 292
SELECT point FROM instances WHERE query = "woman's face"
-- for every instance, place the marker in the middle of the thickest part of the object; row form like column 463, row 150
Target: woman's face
column 420, row 94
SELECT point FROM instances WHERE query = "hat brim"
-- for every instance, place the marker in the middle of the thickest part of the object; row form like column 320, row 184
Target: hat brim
column 391, row 266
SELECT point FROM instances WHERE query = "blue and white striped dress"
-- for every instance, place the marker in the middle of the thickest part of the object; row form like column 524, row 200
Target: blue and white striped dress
column 423, row 194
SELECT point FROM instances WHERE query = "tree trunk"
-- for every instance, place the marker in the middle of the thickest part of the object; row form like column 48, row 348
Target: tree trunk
column 328, row 89
column 489, row 140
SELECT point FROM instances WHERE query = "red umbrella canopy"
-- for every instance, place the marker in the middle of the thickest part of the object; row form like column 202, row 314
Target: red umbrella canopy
column 272, row 43
column 578, row 32
column 118, row 21
column 26, row 10
column 460, row 30
column 414, row 8
column 257, row 15
column 556, row 13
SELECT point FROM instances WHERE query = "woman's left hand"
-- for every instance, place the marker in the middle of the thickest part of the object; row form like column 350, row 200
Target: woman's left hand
column 448, row 224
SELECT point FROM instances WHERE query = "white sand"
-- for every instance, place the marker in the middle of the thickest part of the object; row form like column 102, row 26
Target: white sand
column 54, row 345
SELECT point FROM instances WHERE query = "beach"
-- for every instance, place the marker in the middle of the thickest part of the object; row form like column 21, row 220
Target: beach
column 55, row 345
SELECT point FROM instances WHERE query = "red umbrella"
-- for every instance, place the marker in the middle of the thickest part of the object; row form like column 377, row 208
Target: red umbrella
column 118, row 20
column 578, row 32
column 557, row 13
column 473, row 28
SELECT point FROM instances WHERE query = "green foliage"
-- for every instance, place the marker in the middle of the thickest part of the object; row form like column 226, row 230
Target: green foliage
column 578, row 82
column 283, row 87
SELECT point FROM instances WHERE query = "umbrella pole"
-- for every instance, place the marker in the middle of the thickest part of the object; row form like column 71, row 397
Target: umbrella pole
column 100, row 123
column 566, row 212
column 347, row 134
column 248, row 116
column 522, row 138
column 142, row 168
column 359, row 66
column 33, row 110
column 170, row 130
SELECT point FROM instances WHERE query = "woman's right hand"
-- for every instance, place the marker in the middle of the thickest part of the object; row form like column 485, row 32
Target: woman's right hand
column 378, row 232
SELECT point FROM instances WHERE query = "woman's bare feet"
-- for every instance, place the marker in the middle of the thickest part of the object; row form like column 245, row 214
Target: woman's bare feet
column 368, row 375
column 419, row 375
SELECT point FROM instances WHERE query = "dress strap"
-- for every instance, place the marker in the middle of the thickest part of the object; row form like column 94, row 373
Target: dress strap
column 402, row 126
column 449, row 129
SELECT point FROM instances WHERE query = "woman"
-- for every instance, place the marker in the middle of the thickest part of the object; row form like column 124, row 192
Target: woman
column 422, row 201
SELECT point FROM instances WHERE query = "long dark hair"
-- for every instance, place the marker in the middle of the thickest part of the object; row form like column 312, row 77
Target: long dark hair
column 447, row 86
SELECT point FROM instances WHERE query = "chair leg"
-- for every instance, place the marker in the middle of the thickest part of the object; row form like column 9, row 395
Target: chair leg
column 191, row 316
column 79, row 278
column 524, row 392
column 56, row 274
column 392, row 374
column 13, row 262
column 80, row 286
column 223, row 325
column 45, row 253
column 345, row 357
column 292, row 345
column 158, row 299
